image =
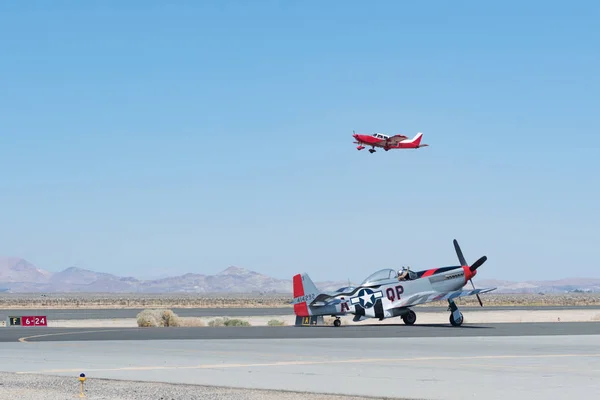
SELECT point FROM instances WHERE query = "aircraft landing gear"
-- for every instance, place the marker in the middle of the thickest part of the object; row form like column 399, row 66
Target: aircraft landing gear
column 410, row 318
column 337, row 322
column 456, row 317
column 372, row 151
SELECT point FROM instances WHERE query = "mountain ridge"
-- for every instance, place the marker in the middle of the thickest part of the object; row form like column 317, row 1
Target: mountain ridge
column 18, row 275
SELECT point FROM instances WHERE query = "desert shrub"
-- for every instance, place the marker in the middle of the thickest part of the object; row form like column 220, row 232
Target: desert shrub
column 156, row 318
column 236, row 322
column 217, row 322
column 228, row 322
column 275, row 322
column 148, row 318
column 169, row 318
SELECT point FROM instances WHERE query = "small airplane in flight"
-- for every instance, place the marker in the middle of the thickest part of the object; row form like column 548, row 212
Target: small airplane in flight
column 387, row 294
column 387, row 142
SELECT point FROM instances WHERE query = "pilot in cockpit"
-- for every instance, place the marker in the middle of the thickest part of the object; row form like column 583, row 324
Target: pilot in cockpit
column 403, row 273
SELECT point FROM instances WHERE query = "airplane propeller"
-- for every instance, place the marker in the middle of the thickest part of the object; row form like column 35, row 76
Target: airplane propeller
column 473, row 267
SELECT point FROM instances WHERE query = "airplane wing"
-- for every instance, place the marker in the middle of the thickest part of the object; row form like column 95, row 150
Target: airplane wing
column 321, row 300
column 394, row 140
column 437, row 296
column 325, row 298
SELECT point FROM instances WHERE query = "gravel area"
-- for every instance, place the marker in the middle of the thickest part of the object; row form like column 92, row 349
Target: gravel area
column 45, row 387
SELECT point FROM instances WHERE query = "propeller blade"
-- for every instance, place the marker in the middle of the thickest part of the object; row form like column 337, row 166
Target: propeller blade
column 478, row 298
column 478, row 263
column 459, row 253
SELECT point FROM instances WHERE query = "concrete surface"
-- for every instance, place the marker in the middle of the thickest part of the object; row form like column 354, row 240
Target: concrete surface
column 41, row 334
column 451, row 368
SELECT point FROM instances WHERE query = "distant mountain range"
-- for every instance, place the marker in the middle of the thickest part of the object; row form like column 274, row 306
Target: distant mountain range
column 19, row 276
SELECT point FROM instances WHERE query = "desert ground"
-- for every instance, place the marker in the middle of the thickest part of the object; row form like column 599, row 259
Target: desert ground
column 157, row 308
column 11, row 301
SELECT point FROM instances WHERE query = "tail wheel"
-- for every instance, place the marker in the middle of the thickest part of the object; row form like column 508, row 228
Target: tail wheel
column 410, row 318
column 456, row 322
column 337, row 322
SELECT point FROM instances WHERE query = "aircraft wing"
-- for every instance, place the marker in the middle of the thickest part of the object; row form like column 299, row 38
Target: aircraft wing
column 394, row 140
column 437, row 296
column 325, row 298
column 321, row 300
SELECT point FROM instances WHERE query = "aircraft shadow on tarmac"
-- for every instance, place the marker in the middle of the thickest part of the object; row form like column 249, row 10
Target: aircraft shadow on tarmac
column 410, row 326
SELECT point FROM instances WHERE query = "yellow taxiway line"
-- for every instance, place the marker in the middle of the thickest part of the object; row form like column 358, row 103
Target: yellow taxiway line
column 324, row 362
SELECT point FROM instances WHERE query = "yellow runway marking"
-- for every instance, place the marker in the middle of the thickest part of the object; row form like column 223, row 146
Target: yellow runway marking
column 24, row 339
column 107, row 345
column 293, row 363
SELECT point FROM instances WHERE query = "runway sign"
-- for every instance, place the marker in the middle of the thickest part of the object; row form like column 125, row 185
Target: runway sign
column 39, row 320
column 307, row 321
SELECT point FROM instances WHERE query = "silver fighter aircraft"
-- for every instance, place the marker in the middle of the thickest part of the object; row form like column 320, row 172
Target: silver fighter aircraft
column 388, row 293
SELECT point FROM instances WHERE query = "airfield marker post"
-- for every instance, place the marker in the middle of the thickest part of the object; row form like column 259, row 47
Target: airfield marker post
column 81, row 380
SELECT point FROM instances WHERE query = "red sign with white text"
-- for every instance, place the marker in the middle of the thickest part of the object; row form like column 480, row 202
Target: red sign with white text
column 34, row 321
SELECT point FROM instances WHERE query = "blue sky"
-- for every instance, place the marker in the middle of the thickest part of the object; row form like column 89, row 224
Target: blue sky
column 149, row 139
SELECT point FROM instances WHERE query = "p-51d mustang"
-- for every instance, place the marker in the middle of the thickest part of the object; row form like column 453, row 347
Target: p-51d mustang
column 387, row 294
column 386, row 142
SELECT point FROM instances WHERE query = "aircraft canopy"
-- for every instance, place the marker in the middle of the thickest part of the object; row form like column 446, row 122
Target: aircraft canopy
column 380, row 136
column 381, row 275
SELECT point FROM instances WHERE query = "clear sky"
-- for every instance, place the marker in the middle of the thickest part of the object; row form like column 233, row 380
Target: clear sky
column 152, row 138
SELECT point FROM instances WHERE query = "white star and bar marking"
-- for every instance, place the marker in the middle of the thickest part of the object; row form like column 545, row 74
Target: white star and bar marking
column 366, row 297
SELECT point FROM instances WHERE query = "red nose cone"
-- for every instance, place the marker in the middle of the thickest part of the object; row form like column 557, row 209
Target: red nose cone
column 468, row 274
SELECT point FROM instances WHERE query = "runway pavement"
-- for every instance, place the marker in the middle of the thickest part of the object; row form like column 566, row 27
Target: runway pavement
column 42, row 334
column 82, row 314
column 451, row 368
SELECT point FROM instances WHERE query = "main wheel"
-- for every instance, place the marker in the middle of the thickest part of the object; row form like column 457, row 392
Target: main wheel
column 455, row 322
column 337, row 322
column 410, row 318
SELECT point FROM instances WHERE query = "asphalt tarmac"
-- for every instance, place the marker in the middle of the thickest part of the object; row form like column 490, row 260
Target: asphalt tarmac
column 82, row 314
column 439, row 368
column 43, row 334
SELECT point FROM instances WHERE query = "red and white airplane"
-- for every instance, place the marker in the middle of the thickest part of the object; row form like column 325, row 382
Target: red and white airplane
column 387, row 142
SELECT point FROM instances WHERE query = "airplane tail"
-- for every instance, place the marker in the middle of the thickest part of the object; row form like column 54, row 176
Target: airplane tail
column 304, row 292
column 416, row 140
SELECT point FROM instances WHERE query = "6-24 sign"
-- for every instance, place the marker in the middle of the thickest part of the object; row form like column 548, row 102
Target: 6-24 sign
column 36, row 320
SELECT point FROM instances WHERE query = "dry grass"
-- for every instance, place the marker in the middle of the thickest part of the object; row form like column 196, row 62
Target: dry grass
column 167, row 300
column 140, row 300
column 191, row 322
column 228, row 322
column 276, row 322
column 165, row 318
